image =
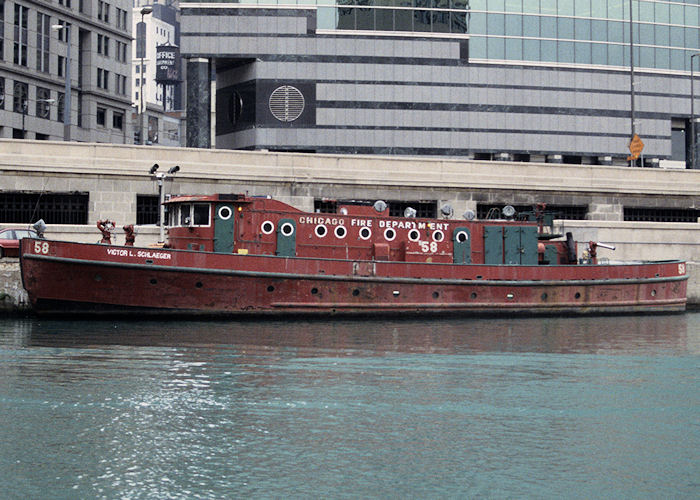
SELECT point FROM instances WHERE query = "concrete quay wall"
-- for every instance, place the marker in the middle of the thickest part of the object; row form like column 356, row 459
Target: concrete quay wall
column 114, row 174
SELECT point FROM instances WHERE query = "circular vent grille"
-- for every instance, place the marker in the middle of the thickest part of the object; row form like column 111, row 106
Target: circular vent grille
column 286, row 103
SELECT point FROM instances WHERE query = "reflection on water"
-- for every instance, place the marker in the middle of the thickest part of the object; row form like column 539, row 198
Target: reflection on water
column 588, row 407
column 608, row 334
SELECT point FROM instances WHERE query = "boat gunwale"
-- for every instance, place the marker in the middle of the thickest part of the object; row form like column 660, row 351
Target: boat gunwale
column 360, row 278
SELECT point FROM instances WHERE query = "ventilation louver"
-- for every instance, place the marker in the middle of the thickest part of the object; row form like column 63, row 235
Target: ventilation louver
column 286, row 103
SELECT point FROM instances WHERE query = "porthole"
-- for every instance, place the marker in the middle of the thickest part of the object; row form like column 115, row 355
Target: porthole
column 473, row 295
column 436, row 295
column 389, row 234
column 438, row 235
column 653, row 293
column 321, row 230
column 365, row 233
column 153, row 281
column 267, row 227
column 270, row 288
column 340, row 232
column 510, row 296
column 314, row 291
column 98, row 278
column 355, row 292
column 413, row 235
column 544, row 297
column 199, row 284
column 225, row 213
column 287, row 229
column 462, row 236
column 577, row 295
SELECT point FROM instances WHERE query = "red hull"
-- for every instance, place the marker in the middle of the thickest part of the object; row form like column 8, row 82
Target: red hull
column 64, row 277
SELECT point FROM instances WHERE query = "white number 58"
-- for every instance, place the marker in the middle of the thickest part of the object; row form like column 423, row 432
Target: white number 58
column 41, row 247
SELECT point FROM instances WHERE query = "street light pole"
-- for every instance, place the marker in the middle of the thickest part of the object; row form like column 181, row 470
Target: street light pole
column 631, row 78
column 66, row 98
column 144, row 11
column 24, row 114
column 693, row 140
column 160, row 178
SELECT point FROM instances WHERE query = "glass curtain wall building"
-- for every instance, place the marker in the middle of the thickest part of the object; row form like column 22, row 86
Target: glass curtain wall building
column 586, row 32
column 530, row 80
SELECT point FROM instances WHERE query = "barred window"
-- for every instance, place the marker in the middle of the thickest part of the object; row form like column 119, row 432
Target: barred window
column 567, row 212
column 147, row 207
column 662, row 214
column 325, row 206
column 43, row 102
column 425, row 209
column 54, row 208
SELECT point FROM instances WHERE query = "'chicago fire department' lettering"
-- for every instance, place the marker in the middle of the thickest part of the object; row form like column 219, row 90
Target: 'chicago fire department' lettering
column 398, row 224
column 331, row 221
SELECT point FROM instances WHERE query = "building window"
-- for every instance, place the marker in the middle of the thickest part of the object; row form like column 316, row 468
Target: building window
column 121, row 18
column 147, row 209
column 101, row 116
column 61, row 66
column 103, row 78
column 679, row 143
column 43, row 27
column 20, row 41
column 21, row 92
column 62, row 34
column 43, row 104
column 2, row 93
column 103, row 11
column 423, row 208
column 120, row 49
column 54, row 208
column 121, row 85
column 396, row 208
column 103, row 45
column 567, row 212
column 118, row 120
column 662, row 214
column 152, row 130
column 65, row 3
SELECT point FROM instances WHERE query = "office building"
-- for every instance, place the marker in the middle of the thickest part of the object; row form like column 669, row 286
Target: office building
column 43, row 43
column 524, row 80
column 155, row 26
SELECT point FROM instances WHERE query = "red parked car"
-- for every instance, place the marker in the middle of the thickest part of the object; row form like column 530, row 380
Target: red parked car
column 9, row 241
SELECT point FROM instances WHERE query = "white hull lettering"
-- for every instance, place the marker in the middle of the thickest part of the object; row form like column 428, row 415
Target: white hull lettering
column 145, row 254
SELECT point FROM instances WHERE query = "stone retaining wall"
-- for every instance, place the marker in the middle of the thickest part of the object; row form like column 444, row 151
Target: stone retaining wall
column 13, row 297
